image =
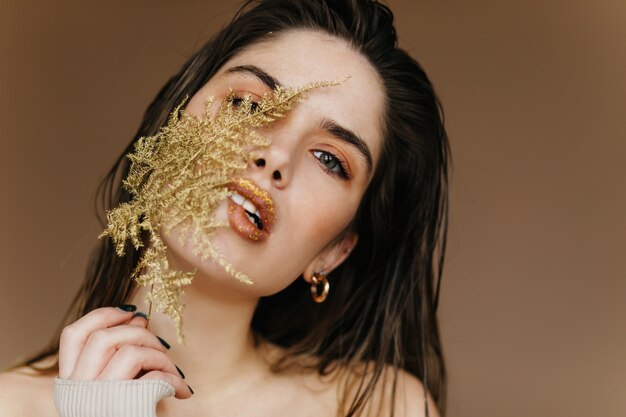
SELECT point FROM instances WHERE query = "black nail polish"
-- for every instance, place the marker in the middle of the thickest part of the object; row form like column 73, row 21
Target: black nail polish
column 127, row 307
column 190, row 389
column 182, row 375
column 164, row 343
column 140, row 314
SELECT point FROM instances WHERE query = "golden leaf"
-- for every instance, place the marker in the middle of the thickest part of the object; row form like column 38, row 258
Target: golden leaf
column 179, row 176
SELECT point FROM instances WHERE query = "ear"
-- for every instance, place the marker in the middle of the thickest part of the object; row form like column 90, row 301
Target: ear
column 331, row 257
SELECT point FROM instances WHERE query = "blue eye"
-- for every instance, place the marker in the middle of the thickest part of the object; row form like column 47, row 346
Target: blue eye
column 332, row 164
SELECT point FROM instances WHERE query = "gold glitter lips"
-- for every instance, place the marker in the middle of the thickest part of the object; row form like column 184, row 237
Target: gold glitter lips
column 250, row 210
column 179, row 176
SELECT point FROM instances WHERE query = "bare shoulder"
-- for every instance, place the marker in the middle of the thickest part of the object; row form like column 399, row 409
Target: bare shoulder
column 23, row 392
column 410, row 397
column 335, row 392
column 407, row 400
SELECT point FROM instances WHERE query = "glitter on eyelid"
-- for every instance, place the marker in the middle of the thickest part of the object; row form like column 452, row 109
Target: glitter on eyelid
column 178, row 177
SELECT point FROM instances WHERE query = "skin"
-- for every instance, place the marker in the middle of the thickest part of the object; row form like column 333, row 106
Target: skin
column 306, row 198
column 230, row 376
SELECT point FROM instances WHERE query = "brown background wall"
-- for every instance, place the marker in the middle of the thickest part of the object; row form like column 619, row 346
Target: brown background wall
column 534, row 295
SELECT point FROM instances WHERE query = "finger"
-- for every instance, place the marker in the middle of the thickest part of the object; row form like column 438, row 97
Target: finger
column 130, row 360
column 139, row 319
column 183, row 390
column 103, row 344
column 74, row 336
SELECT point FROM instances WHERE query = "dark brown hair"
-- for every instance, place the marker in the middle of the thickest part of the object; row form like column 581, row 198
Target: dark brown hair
column 382, row 308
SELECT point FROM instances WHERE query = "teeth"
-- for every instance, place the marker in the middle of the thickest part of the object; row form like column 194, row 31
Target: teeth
column 237, row 199
column 245, row 203
column 255, row 219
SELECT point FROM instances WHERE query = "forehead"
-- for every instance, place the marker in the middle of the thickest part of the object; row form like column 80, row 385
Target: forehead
column 299, row 57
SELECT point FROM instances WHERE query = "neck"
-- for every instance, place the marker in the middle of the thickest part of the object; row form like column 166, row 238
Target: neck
column 219, row 345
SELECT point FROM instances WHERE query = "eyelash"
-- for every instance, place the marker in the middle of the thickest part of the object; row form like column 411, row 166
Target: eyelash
column 254, row 105
column 341, row 173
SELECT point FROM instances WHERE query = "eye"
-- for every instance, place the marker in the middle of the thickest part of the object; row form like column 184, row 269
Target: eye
column 245, row 100
column 332, row 164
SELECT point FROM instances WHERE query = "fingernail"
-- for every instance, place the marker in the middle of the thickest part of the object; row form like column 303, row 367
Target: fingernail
column 127, row 307
column 164, row 343
column 140, row 314
column 180, row 372
column 190, row 389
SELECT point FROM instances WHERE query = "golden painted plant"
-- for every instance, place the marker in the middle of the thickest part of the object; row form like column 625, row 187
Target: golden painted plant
column 178, row 177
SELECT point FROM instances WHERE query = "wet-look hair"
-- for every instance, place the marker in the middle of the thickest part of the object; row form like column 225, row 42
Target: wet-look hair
column 381, row 314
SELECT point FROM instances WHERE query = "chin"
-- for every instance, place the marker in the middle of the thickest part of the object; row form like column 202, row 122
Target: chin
column 210, row 275
column 252, row 259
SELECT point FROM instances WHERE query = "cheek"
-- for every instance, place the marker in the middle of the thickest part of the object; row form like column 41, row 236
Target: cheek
column 304, row 234
column 329, row 211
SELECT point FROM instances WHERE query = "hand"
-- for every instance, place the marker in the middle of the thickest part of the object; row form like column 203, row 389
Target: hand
column 109, row 343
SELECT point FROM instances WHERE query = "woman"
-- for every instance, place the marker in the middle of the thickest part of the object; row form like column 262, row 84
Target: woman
column 357, row 174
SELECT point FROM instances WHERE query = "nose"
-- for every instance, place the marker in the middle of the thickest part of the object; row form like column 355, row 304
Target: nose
column 277, row 162
column 272, row 163
column 260, row 162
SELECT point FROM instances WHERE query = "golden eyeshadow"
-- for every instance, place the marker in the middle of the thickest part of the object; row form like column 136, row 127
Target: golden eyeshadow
column 178, row 177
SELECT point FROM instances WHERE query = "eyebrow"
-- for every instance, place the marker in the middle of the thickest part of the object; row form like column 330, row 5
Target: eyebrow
column 329, row 125
column 349, row 137
column 271, row 82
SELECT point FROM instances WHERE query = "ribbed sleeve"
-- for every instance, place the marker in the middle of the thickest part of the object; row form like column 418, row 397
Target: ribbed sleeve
column 131, row 398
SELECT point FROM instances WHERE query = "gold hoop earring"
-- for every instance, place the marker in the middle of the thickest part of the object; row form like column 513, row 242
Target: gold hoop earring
column 318, row 279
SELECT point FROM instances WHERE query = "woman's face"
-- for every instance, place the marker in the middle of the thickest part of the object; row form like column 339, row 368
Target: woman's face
column 320, row 161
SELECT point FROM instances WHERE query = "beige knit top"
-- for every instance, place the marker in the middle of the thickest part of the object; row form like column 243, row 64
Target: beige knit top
column 131, row 398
